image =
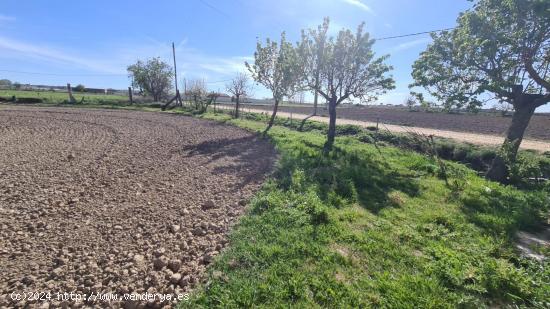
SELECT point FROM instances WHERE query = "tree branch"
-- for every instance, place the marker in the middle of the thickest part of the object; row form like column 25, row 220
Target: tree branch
column 528, row 61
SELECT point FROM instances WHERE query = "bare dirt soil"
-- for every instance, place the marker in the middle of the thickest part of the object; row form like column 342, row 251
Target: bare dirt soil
column 96, row 201
column 483, row 123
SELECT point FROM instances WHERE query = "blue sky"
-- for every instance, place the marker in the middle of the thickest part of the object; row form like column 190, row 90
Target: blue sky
column 92, row 42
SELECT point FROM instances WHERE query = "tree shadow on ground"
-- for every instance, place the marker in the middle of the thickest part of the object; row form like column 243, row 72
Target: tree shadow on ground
column 250, row 158
column 349, row 176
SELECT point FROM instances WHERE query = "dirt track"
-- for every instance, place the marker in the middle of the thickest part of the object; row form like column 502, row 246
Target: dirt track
column 482, row 123
column 123, row 202
column 465, row 135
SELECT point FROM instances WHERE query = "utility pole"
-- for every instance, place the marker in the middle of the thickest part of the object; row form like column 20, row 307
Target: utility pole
column 177, row 98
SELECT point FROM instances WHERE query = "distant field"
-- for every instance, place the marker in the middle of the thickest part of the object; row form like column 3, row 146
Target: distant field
column 60, row 97
column 482, row 123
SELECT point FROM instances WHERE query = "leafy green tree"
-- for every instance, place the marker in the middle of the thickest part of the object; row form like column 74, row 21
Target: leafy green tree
column 80, row 88
column 500, row 48
column 17, row 85
column 276, row 67
column 5, row 83
column 154, row 77
column 342, row 68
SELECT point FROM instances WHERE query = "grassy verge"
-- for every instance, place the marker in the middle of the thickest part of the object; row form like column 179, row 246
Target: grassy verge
column 367, row 227
column 526, row 173
column 374, row 227
column 52, row 97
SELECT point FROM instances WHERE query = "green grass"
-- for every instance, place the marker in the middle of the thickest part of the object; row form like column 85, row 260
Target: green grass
column 60, row 97
column 363, row 228
column 368, row 227
column 530, row 165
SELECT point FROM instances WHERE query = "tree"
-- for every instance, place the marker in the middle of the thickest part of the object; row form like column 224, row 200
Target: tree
column 17, row 85
column 5, row 83
column 80, row 88
column 277, row 67
column 154, row 77
column 298, row 98
column 319, row 36
column 343, row 69
column 410, row 102
column 198, row 92
column 238, row 87
column 500, row 48
column 196, row 89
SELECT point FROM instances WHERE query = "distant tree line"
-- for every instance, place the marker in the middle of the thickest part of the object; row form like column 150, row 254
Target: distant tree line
column 6, row 83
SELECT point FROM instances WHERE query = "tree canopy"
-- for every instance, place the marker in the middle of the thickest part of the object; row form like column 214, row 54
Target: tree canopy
column 498, row 46
column 277, row 67
column 500, row 49
column 5, row 82
column 342, row 68
column 153, row 77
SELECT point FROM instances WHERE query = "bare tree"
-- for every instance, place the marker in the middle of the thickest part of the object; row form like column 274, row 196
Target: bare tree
column 343, row 68
column 277, row 67
column 238, row 87
column 196, row 90
column 298, row 98
column 410, row 102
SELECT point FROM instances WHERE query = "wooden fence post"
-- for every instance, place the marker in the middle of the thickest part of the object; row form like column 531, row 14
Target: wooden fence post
column 130, row 95
column 71, row 98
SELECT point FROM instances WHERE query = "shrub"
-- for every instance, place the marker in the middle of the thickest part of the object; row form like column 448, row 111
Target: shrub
column 474, row 159
column 80, row 88
column 445, row 150
column 29, row 100
column 461, row 152
column 348, row 129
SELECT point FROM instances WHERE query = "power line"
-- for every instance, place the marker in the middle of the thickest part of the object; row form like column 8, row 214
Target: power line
column 214, row 8
column 412, row 34
column 221, row 81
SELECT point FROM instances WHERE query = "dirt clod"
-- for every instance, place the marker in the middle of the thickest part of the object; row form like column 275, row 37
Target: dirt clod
column 114, row 201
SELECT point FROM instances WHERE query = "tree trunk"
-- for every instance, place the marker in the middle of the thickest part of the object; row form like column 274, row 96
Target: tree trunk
column 331, row 126
column 520, row 120
column 273, row 115
column 237, row 107
column 315, row 98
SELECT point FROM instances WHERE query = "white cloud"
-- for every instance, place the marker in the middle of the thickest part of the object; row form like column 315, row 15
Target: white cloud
column 11, row 48
column 192, row 63
column 115, row 60
column 5, row 18
column 360, row 5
